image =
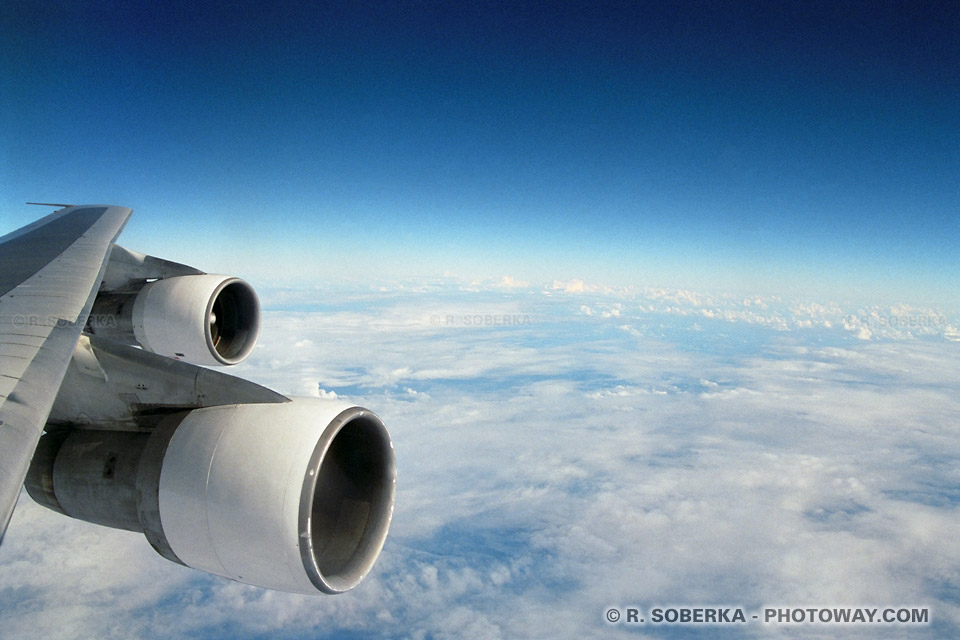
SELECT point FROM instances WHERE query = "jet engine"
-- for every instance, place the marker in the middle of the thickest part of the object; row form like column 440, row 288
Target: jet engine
column 295, row 496
column 218, row 473
column 204, row 319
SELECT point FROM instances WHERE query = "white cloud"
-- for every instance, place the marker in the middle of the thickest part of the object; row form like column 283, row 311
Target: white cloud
column 550, row 470
column 573, row 286
column 508, row 282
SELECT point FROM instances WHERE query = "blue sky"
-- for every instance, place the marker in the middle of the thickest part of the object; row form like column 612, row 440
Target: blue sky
column 770, row 147
column 640, row 437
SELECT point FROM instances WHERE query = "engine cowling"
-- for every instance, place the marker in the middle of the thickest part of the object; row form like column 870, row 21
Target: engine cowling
column 205, row 319
column 294, row 496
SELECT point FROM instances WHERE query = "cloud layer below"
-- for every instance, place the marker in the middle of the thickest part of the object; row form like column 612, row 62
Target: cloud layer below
column 571, row 448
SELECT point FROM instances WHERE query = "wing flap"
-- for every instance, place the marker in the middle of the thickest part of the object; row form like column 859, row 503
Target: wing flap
column 50, row 272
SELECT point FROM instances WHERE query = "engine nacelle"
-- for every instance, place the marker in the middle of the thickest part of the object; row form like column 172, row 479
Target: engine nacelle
column 294, row 496
column 204, row 319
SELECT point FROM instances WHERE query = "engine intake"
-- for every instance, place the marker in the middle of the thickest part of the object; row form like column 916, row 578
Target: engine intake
column 294, row 496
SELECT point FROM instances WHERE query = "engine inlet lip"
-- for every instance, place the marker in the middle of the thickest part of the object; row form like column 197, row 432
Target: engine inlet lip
column 251, row 323
column 373, row 540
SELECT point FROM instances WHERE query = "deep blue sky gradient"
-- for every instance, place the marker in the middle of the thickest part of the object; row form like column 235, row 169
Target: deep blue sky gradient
column 779, row 147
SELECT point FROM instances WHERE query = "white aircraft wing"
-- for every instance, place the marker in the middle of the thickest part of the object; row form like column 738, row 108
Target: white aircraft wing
column 50, row 272
column 106, row 416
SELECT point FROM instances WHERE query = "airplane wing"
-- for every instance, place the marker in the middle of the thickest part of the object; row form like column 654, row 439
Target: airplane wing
column 50, row 272
column 106, row 416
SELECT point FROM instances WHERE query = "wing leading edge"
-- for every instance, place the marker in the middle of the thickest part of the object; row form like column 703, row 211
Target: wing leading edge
column 50, row 272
